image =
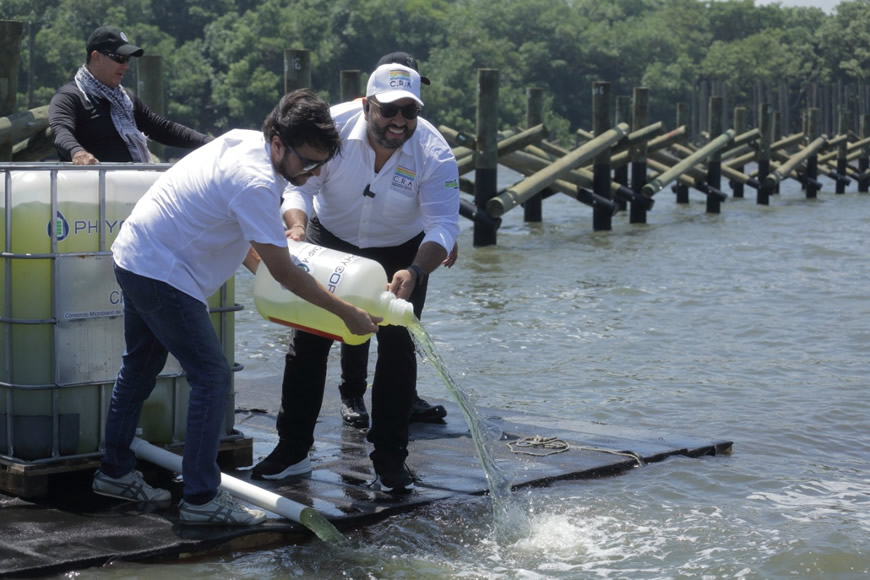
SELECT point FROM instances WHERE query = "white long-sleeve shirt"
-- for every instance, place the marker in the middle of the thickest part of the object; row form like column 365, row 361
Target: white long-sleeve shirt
column 416, row 190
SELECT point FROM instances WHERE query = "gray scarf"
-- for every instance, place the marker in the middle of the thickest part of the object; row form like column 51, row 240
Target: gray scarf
column 121, row 111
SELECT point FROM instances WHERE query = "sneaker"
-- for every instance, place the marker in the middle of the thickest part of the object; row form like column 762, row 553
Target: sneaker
column 131, row 487
column 354, row 413
column 222, row 510
column 281, row 463
column 423, row 412
column 394, row 478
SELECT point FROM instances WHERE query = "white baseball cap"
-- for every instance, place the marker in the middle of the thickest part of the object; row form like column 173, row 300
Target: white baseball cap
column 391, row 82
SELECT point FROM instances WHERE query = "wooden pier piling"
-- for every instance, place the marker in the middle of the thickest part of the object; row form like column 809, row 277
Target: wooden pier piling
column 864, row 159
column 601, row 220
column 486, row 153
column 811, row 186
column 297, row 69
column 714, row 163
column 764, row 152
column 842, row 129
column 739, row 127
column 620, row 174
column 684, row 117
column 532, row 209
column 638, row 155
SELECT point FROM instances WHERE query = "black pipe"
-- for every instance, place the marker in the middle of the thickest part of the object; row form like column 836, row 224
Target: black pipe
column 842, row 180
column 477, row 215
column 711, row 192
column 627, row 194
column 809, row 182
column 597, row 202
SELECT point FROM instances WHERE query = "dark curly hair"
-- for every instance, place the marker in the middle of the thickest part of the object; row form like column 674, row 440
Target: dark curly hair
column 302, row 118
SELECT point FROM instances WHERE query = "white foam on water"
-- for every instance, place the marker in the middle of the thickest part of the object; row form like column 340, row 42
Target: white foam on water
column 548, row 535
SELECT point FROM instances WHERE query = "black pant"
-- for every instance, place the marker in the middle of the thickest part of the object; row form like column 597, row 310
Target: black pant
column 395, row 376
column 354, row 369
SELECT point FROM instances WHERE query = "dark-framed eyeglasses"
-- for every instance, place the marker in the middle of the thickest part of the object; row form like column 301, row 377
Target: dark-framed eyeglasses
column 389, row 110
column 307, row 164
column 117, row 57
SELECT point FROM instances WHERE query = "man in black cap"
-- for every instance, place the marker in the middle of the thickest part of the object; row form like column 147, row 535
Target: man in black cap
column 354, row 359
column 93, row 118
column 405, row 59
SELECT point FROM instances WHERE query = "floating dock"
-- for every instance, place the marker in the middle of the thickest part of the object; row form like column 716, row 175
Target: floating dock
column 72, row 528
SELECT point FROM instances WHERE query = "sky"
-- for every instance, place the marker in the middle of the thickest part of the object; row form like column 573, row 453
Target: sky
column 826, row 5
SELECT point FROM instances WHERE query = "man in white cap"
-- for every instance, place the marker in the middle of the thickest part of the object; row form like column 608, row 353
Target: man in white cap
column 354, row 359
column 392, row 196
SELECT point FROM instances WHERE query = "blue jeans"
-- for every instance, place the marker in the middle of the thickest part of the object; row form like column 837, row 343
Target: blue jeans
column 160, row 319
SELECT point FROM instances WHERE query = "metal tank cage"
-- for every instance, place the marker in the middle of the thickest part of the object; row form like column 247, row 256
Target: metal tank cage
column 172, row 376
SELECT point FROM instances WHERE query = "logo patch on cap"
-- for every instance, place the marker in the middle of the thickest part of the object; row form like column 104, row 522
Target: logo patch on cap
column 399, row 79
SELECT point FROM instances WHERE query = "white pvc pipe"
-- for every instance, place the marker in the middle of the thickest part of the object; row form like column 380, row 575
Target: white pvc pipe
column 258, row 496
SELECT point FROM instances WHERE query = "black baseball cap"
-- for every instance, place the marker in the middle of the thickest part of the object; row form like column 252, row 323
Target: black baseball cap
column 110, row 39
column 403, row 58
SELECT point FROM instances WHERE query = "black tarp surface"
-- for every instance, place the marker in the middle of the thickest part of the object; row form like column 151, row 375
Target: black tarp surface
column 73, row 529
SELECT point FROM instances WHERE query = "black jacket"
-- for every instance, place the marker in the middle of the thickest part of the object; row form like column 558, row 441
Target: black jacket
column 78, row 125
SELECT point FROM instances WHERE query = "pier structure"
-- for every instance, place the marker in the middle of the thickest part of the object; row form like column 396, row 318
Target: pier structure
column 616, row 167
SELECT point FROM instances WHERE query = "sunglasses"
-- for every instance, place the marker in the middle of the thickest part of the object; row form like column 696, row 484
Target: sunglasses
column 117, row 57
column 389, row 110
column 307, row 164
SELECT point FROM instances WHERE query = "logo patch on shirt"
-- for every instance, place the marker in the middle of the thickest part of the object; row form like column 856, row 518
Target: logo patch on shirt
column 452, row 184
column 404, row 179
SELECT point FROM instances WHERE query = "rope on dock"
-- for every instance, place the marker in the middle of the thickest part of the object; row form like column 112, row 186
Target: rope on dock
column 548, row 445
column 540, row 446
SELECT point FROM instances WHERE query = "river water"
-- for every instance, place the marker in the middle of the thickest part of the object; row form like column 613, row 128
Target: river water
column 751, row 325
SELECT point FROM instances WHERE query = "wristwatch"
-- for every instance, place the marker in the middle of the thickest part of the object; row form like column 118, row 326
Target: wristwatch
column 421, row 275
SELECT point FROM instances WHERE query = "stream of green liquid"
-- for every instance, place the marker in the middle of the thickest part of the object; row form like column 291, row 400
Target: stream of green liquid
column 498, row 481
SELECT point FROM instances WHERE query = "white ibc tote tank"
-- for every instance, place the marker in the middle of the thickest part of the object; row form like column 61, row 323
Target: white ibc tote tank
column 61, row 326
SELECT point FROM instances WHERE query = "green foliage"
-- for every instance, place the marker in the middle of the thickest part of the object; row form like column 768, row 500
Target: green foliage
column 189, row 96
column 224, row 59
column 844, row 40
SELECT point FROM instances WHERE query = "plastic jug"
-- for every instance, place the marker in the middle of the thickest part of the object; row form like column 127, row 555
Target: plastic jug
column 358, row 280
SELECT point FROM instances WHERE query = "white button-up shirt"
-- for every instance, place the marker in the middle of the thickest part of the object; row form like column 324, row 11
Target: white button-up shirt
column 416, row 190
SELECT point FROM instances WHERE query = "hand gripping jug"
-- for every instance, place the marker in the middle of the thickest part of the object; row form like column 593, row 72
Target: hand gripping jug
column 360, row 281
